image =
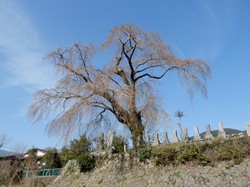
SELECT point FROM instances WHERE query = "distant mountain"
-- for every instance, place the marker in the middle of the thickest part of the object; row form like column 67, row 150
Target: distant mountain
column 48, row 148
column 227, row 130
column 4, row 153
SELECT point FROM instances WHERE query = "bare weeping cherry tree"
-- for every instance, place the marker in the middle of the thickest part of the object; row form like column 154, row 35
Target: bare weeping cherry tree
column 123, row 88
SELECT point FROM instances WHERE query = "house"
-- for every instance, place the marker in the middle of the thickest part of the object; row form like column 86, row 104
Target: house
column 39, row 153
column 35, row 166
column 33, row 158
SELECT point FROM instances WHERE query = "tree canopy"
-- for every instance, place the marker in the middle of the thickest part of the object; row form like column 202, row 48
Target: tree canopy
column 122, row 89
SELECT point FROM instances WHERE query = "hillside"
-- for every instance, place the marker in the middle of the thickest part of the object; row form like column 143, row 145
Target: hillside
column 220, row 162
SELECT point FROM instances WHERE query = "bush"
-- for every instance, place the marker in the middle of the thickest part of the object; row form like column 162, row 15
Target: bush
column 78, row 147
column 202, row 153
column 188, row 152
column 230, row 150
column 52, row 159
column 164, row 154
column 118, row 144
column 204, row 160
column 66, row 155
column 86, row 163
column 79, row 150
column 144, row 153
column 158, row 161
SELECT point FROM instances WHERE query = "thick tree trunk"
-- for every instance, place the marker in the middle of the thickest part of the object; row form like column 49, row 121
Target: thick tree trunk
column 137, row 129
column 135, row 123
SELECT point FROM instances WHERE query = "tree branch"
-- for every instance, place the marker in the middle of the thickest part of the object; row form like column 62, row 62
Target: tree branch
column 73, row 71
column 122, row 74
column 129, row 62
column 97, row 120
column 152, row 66
column 157, row 77
column 145, row 62
column 113, row 80
column 83, row 61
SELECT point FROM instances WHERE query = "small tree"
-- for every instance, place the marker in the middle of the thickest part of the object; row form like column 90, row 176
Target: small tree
column 66, row 155
column 79, row 150
column 81, row 146
column 76, row 148
column 122, row 90
column 52, row 159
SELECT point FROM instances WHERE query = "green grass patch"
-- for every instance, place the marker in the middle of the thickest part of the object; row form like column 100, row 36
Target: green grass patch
column 202, row 153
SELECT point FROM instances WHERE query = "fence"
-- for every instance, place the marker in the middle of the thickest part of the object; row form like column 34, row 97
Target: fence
column 41, row 173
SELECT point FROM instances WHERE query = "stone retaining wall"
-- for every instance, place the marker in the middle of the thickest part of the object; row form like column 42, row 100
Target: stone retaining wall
column 114, row 174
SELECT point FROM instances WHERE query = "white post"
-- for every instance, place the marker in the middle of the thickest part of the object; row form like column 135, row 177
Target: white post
column 248, row 129
column 197, row 136
column 165, row 138
column 176, row 139
column 156, row 139
column 221, row 132
column 208, row 134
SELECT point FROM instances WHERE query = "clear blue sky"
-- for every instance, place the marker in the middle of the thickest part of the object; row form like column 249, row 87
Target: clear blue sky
column 216, row 31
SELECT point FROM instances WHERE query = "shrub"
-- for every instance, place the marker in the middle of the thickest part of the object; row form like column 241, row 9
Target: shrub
column 188, row 152
column 78, row 147
column 86, row 162
column 52, row 159
column 79, row 150
column 204, row 160
column 144, row 153
column 202, row 153
column 230, row 150
column 66, row 155
column 118, row 144
column 164, row 154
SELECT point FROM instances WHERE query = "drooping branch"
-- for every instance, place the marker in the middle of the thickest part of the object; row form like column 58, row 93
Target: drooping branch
column 98, row 118
column 101, row 105
column 156, row 77
column 110, row 78
column 72, row 70
column 146, row 68
column 82, row 57
column 145, row 62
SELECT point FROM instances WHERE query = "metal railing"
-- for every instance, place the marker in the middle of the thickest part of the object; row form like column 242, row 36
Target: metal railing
column 41, row 173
